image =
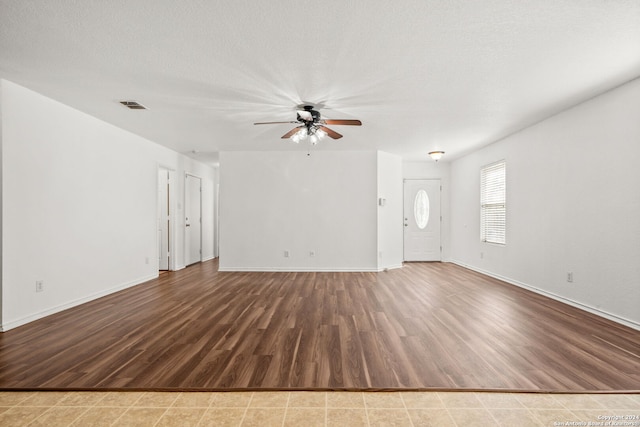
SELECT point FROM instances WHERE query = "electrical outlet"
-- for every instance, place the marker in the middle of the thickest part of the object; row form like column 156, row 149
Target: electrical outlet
column 481, row 255
column 286, row 254
column 570, row 277
column 39, row 286
column 146, row 260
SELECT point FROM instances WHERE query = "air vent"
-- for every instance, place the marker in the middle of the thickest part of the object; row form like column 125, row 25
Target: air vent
column 133, row 105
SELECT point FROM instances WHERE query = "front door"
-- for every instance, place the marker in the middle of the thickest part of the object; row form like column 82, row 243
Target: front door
column 422, row 220
column 193, row 224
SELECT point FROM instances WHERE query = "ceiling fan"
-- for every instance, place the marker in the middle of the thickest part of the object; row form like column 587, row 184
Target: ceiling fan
column 312, row 126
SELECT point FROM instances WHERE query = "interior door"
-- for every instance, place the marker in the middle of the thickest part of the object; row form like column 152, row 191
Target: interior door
column 163, row 219
column 422, row 220
column 193, row 220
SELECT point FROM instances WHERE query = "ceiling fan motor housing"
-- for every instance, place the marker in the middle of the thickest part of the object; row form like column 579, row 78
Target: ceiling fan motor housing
column 315, row 115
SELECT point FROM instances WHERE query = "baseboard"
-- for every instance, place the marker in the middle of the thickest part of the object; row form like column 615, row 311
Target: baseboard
column 623, row 321
column 312, row 270
column 209, row 258
column 44, row 313
column 390, row 267
column 300, row 269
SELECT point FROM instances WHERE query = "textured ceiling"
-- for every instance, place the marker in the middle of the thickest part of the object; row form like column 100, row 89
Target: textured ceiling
column 421, row 75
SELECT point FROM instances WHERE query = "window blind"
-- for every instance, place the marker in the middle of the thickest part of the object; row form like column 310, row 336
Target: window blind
column 493, row 206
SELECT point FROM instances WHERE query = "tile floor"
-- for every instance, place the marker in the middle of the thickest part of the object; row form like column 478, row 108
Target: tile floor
column 310, row 409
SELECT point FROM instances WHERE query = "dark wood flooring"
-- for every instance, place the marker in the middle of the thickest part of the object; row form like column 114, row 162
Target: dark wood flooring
column 425, row 326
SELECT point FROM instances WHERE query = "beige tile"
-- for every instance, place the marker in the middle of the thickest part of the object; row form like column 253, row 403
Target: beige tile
column 20, row 415
column 308, row 417
column 550, row 416
column 156, row 400
column 45, row 398
column 81, row 398
column 383, row 400
column 388, row 417
column 269, row 399
column 421, row 400
column 346, row 417
column 578, row 401
column 120, row 398
column 181, row 417
column 99, row 417
column 59, row 416
column 345, row 399
column 539, row 401
column 307, row 399
column 135, row 417
column 472, row 417
column 616, row 401
column 515, row 417
column 261, row 417
column 193, row 400
column 12, row 398
column 231, row 399
column 430, row 417
column 222, row 417
column 499, row 400
column 460, row 400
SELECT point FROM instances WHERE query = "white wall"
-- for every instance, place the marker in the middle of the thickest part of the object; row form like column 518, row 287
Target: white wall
column 1, row 199
column 573, row 205
column 79, row 206
column 441, row 170
column 285, row 200
column 390, row 228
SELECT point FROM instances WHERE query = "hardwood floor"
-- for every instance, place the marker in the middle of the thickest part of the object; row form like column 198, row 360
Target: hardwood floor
column 425, row 326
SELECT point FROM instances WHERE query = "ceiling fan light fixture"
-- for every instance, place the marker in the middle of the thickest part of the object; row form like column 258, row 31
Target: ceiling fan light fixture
column 312, row 126
column 436, row 155
column 320, row 134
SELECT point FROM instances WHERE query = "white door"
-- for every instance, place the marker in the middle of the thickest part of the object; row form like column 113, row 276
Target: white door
column 193, row 223
column 422, row 220
column 163, row 219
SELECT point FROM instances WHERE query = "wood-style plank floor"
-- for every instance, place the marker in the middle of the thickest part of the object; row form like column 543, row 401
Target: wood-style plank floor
column 425, row 326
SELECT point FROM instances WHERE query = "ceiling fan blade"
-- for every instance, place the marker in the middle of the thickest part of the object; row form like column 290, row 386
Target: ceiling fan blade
column 273, row 123
column 342, row 122
column 332, row 133
column 291, row 132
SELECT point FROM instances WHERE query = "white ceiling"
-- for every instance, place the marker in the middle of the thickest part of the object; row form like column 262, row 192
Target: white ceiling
column 421, row 75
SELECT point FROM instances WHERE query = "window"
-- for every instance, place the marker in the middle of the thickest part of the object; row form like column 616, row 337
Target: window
column 421, row 209
column 493, row 203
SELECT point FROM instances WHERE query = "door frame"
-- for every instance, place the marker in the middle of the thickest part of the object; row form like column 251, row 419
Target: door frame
column 184, row 253
column 172, row 215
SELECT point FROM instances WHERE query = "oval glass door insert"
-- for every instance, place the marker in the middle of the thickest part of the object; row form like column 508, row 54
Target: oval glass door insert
column 421, row 209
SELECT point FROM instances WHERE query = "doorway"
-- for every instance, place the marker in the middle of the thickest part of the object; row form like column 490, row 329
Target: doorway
column 193, row 220
column 422, row 220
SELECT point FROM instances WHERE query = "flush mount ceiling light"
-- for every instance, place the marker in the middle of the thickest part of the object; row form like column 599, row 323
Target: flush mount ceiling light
column 312, row 127
column 436, row 155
